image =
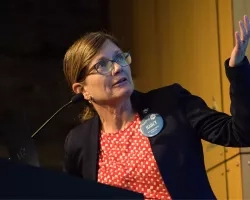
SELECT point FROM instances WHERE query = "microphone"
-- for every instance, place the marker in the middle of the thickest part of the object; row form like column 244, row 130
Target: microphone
column 75, row 99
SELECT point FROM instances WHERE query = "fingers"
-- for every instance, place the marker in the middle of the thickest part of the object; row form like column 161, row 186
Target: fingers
column 241, row 42
column 246, row 24
column 247, row 28
column 243, row 31
column 237, row 40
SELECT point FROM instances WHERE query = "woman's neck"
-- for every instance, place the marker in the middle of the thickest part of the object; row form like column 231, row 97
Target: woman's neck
column 114, row 118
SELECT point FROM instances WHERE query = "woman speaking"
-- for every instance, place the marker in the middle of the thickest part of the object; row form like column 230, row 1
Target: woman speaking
column 149, row 142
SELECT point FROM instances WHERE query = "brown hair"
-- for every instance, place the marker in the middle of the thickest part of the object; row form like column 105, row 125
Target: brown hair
column 79, row 56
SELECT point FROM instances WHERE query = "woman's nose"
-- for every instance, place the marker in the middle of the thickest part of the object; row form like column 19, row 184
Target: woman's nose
column 117, row 68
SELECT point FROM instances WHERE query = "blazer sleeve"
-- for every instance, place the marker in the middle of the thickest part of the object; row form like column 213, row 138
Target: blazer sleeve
column 69, row 165
column 217, row 127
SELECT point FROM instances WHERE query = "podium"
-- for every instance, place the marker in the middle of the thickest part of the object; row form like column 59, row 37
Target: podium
column 20, row 181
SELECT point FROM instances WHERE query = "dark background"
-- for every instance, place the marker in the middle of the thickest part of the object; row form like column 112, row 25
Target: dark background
column 34, row 37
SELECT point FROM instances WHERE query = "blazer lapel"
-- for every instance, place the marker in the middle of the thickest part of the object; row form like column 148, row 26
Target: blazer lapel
column 91, row 151
column 164, row 147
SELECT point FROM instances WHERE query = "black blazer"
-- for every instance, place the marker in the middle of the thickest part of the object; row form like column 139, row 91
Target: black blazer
column 177, row 148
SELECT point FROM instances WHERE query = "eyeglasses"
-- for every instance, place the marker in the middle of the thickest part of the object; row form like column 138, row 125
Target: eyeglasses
column 106, row 66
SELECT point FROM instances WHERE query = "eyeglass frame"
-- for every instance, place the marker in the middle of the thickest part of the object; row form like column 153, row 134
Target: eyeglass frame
column 112, row 61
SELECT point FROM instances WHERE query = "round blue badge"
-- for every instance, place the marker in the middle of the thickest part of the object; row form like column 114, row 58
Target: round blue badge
column 151, row 125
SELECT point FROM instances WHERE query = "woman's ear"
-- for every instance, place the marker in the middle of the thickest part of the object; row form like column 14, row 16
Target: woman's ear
column 79, row 88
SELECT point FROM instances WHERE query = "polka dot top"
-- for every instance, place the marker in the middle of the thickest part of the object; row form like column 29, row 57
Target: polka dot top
column 127, row 161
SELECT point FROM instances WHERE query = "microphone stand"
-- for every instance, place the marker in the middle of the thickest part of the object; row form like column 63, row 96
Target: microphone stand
column 75, row 99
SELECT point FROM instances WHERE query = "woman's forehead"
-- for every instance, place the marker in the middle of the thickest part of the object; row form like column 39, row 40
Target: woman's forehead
column 108, row 51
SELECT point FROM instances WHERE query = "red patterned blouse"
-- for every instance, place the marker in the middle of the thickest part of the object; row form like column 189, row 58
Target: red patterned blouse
column 127, row 161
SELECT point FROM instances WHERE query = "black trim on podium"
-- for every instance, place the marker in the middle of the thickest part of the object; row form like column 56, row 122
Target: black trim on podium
column 20, row 181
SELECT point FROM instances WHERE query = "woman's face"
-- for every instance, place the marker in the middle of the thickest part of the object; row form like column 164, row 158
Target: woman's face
column 117, row 85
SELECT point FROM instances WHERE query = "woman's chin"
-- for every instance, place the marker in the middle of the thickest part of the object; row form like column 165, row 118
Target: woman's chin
column 123, row 92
